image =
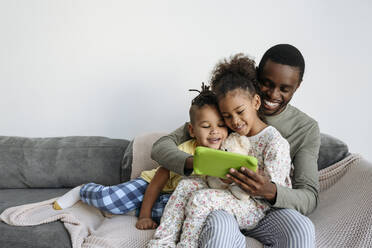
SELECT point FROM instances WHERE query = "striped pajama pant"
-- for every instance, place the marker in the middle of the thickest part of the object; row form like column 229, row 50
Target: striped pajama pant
column 280, row 228
column 122, row 198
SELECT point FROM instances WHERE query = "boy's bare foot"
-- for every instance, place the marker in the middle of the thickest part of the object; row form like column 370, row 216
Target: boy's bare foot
column 146, row 223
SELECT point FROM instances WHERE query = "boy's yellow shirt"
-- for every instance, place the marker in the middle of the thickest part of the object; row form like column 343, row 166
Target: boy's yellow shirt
column 188, row 147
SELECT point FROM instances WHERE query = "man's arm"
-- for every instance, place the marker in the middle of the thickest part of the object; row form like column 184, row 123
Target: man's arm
column 166, row 153
column 305, row 181
column 151, row 194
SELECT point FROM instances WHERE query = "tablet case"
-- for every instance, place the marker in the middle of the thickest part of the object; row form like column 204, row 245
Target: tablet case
column 212, row 162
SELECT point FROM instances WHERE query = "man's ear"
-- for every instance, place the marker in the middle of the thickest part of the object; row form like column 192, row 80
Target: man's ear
column 191, row 130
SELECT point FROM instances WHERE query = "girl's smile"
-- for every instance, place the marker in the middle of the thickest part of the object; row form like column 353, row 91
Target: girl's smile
column 239, row 110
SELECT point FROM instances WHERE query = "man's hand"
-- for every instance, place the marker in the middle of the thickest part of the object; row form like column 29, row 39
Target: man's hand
column 255, row 184
column 226, row 180
column 189, row 163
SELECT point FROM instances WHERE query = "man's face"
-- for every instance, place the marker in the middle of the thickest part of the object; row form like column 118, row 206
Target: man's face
column 278, row 84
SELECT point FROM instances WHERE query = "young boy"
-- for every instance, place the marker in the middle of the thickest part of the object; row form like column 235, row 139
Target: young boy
column 151, row 191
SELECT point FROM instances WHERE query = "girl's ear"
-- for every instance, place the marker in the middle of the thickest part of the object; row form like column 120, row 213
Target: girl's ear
column 256, row 101
column 191, row 131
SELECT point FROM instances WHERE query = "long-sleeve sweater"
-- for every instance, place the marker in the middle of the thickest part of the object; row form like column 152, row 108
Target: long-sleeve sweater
column 301, row 132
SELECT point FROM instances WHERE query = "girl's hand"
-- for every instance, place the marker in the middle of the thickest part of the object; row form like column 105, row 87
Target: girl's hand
column 255, row 184
column 145, row 223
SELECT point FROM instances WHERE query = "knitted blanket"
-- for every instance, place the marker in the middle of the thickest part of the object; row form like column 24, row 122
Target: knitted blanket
column 344, row 214
column 343, row 217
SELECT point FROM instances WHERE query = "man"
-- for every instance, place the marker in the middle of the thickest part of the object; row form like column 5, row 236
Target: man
column 280, row 74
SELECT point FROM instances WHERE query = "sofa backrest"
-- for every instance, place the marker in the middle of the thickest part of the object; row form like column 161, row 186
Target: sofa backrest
column 60, row 162
column 71, row 161
column 141, row 151
column 331, row 151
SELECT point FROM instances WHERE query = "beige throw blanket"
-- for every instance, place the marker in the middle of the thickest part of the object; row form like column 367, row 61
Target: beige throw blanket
column 342, row 219
column 88, row 227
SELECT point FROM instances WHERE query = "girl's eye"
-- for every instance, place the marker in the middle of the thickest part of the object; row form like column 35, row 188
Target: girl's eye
column 205, row 126
column 221, row 125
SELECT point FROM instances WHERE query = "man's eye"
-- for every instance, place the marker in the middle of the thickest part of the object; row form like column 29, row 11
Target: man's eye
column 227, row 117
column 285, row 90
column 222, row 125
column 240, row 112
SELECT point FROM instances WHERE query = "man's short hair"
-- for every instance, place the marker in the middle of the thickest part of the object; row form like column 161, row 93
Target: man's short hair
column 284, row 54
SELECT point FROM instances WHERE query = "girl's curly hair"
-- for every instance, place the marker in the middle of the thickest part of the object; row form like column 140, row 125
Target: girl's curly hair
column 237, row 72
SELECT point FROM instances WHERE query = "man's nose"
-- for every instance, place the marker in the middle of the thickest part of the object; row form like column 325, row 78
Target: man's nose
column 274, row 93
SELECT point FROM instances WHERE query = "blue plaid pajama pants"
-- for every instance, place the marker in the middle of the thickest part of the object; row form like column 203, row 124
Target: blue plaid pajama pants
column 122, row 198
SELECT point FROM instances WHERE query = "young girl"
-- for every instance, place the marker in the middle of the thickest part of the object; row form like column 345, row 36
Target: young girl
column 207, row 129
column 234, row 83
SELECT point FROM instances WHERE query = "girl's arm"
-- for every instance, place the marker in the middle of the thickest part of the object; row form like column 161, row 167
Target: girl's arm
column 277, row 161
column 151, row 194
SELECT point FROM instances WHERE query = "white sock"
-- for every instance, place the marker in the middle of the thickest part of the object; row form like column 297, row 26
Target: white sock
column 68, row 199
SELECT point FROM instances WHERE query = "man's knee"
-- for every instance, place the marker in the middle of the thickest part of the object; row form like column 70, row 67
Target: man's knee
column 299, row 229
column 220, row 218
column 302, row 224
column 221, row 230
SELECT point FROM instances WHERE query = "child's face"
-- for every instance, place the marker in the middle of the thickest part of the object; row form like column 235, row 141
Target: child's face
column 239, row 111
column 208, row 128
column 278, row 84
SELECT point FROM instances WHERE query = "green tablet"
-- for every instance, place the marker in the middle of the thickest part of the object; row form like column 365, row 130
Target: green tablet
column 212, row 162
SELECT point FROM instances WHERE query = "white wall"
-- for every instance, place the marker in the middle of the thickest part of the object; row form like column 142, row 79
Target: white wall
column 121, row 68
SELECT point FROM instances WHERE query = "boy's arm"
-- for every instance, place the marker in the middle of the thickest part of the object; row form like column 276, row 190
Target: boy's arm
column 165, row 151
column 151, row 194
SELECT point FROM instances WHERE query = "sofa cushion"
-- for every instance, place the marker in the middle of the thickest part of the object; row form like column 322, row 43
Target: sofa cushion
column 142, row 146
column 60, row 162
column 126, row 164
column 41, row 236
column 331, row 151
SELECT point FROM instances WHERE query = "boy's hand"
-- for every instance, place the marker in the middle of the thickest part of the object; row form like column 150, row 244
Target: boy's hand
column 145, row 223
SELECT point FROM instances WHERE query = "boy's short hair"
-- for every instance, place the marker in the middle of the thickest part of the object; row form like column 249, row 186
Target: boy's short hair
column 205, row 97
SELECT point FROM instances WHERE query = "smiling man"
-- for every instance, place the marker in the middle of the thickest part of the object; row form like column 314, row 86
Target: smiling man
column 280, row 74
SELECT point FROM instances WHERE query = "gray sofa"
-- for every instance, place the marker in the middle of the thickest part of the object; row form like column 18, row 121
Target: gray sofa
column 36, row 169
